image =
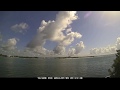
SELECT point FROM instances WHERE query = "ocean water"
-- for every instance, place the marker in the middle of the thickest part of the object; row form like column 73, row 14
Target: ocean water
column 53, row 67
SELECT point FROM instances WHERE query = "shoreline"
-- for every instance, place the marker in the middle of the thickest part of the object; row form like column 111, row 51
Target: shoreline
column 52, row 57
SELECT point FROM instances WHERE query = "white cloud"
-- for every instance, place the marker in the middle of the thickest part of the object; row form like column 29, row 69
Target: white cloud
column 71, row 51
column 118, row 43
column 22, row 27
column 68, row 30
column 41, row 50
column 38, row 51
column 106, row 50
column 53, row 31
column 94, row 51
column 70, row 38
column 10, row 44
column 103, row 50
column 77, row 49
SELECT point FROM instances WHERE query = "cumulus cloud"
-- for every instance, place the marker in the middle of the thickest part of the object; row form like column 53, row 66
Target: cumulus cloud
column 53, row 31
column 68, row 30
column 71, row 51
column 77, row 49
column 106, row 50
column 10, row 44
column 59, row 49
column 103, row 50
column 22, row 27
column 118, row 43
column 41, row 50
column 70, row 38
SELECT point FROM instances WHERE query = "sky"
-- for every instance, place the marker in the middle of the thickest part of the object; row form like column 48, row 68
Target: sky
column 59, row 33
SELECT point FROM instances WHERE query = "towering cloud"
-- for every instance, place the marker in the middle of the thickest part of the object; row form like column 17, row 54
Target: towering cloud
column 53, row 31
column 20, row 27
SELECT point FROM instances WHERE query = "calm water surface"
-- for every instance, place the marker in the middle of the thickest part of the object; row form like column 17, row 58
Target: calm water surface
column 39, row 67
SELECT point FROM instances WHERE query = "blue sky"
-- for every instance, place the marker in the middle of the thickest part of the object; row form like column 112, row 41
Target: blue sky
column 98, row 28
column 32, row 18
